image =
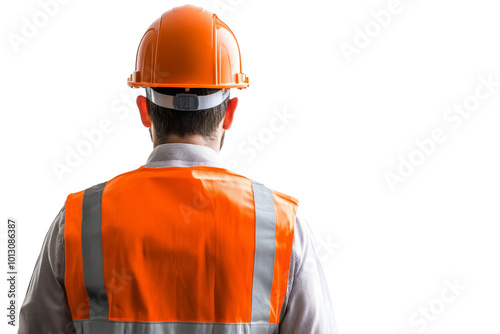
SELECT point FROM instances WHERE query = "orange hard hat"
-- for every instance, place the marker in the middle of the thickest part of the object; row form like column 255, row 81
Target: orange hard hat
column 188, row 47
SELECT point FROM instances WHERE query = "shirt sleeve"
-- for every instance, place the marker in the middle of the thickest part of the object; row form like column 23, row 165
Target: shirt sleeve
column 45, row 308
column 307, row 307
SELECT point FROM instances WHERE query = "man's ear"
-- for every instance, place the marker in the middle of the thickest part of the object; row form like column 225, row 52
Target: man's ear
column 143, row 110
column 231, row 107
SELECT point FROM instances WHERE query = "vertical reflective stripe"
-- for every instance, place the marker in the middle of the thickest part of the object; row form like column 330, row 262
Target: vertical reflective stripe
column 265, row 245
column 92, row 251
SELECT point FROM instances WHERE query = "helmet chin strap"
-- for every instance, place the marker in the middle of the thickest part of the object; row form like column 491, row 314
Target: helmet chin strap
column 186, row 101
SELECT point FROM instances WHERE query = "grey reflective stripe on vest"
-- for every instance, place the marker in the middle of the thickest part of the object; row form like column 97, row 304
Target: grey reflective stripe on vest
column 136, row 327
column 92, row 251
column 265, row 246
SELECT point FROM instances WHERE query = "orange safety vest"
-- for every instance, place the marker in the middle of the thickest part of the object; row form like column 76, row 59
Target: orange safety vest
column 178, row 250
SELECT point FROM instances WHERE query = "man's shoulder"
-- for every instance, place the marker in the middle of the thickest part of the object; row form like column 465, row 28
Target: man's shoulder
column 108, row 182
column 280, row 197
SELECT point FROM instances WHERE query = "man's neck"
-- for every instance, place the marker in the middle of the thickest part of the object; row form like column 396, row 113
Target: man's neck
column 192, row 139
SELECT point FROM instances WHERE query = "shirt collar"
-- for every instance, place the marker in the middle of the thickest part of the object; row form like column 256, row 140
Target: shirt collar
column 182, row 155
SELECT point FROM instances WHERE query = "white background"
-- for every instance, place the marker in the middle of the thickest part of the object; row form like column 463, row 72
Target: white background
column 387, row 252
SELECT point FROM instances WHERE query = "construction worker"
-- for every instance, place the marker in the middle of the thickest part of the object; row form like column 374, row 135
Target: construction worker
column 181, row 244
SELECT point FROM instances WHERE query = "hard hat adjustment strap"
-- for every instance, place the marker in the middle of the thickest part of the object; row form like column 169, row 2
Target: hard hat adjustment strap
column 185, row 101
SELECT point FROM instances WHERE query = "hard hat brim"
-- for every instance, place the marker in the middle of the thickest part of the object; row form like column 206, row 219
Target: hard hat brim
column 190, row 85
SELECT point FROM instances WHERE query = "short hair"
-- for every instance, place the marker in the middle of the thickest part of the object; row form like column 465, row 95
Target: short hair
column 179, row 122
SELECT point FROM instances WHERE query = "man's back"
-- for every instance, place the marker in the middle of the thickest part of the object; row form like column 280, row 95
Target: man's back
column 180, row 266
column 197, row 245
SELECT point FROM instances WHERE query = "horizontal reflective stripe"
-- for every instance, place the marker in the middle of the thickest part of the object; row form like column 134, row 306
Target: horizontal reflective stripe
column 121, row 327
